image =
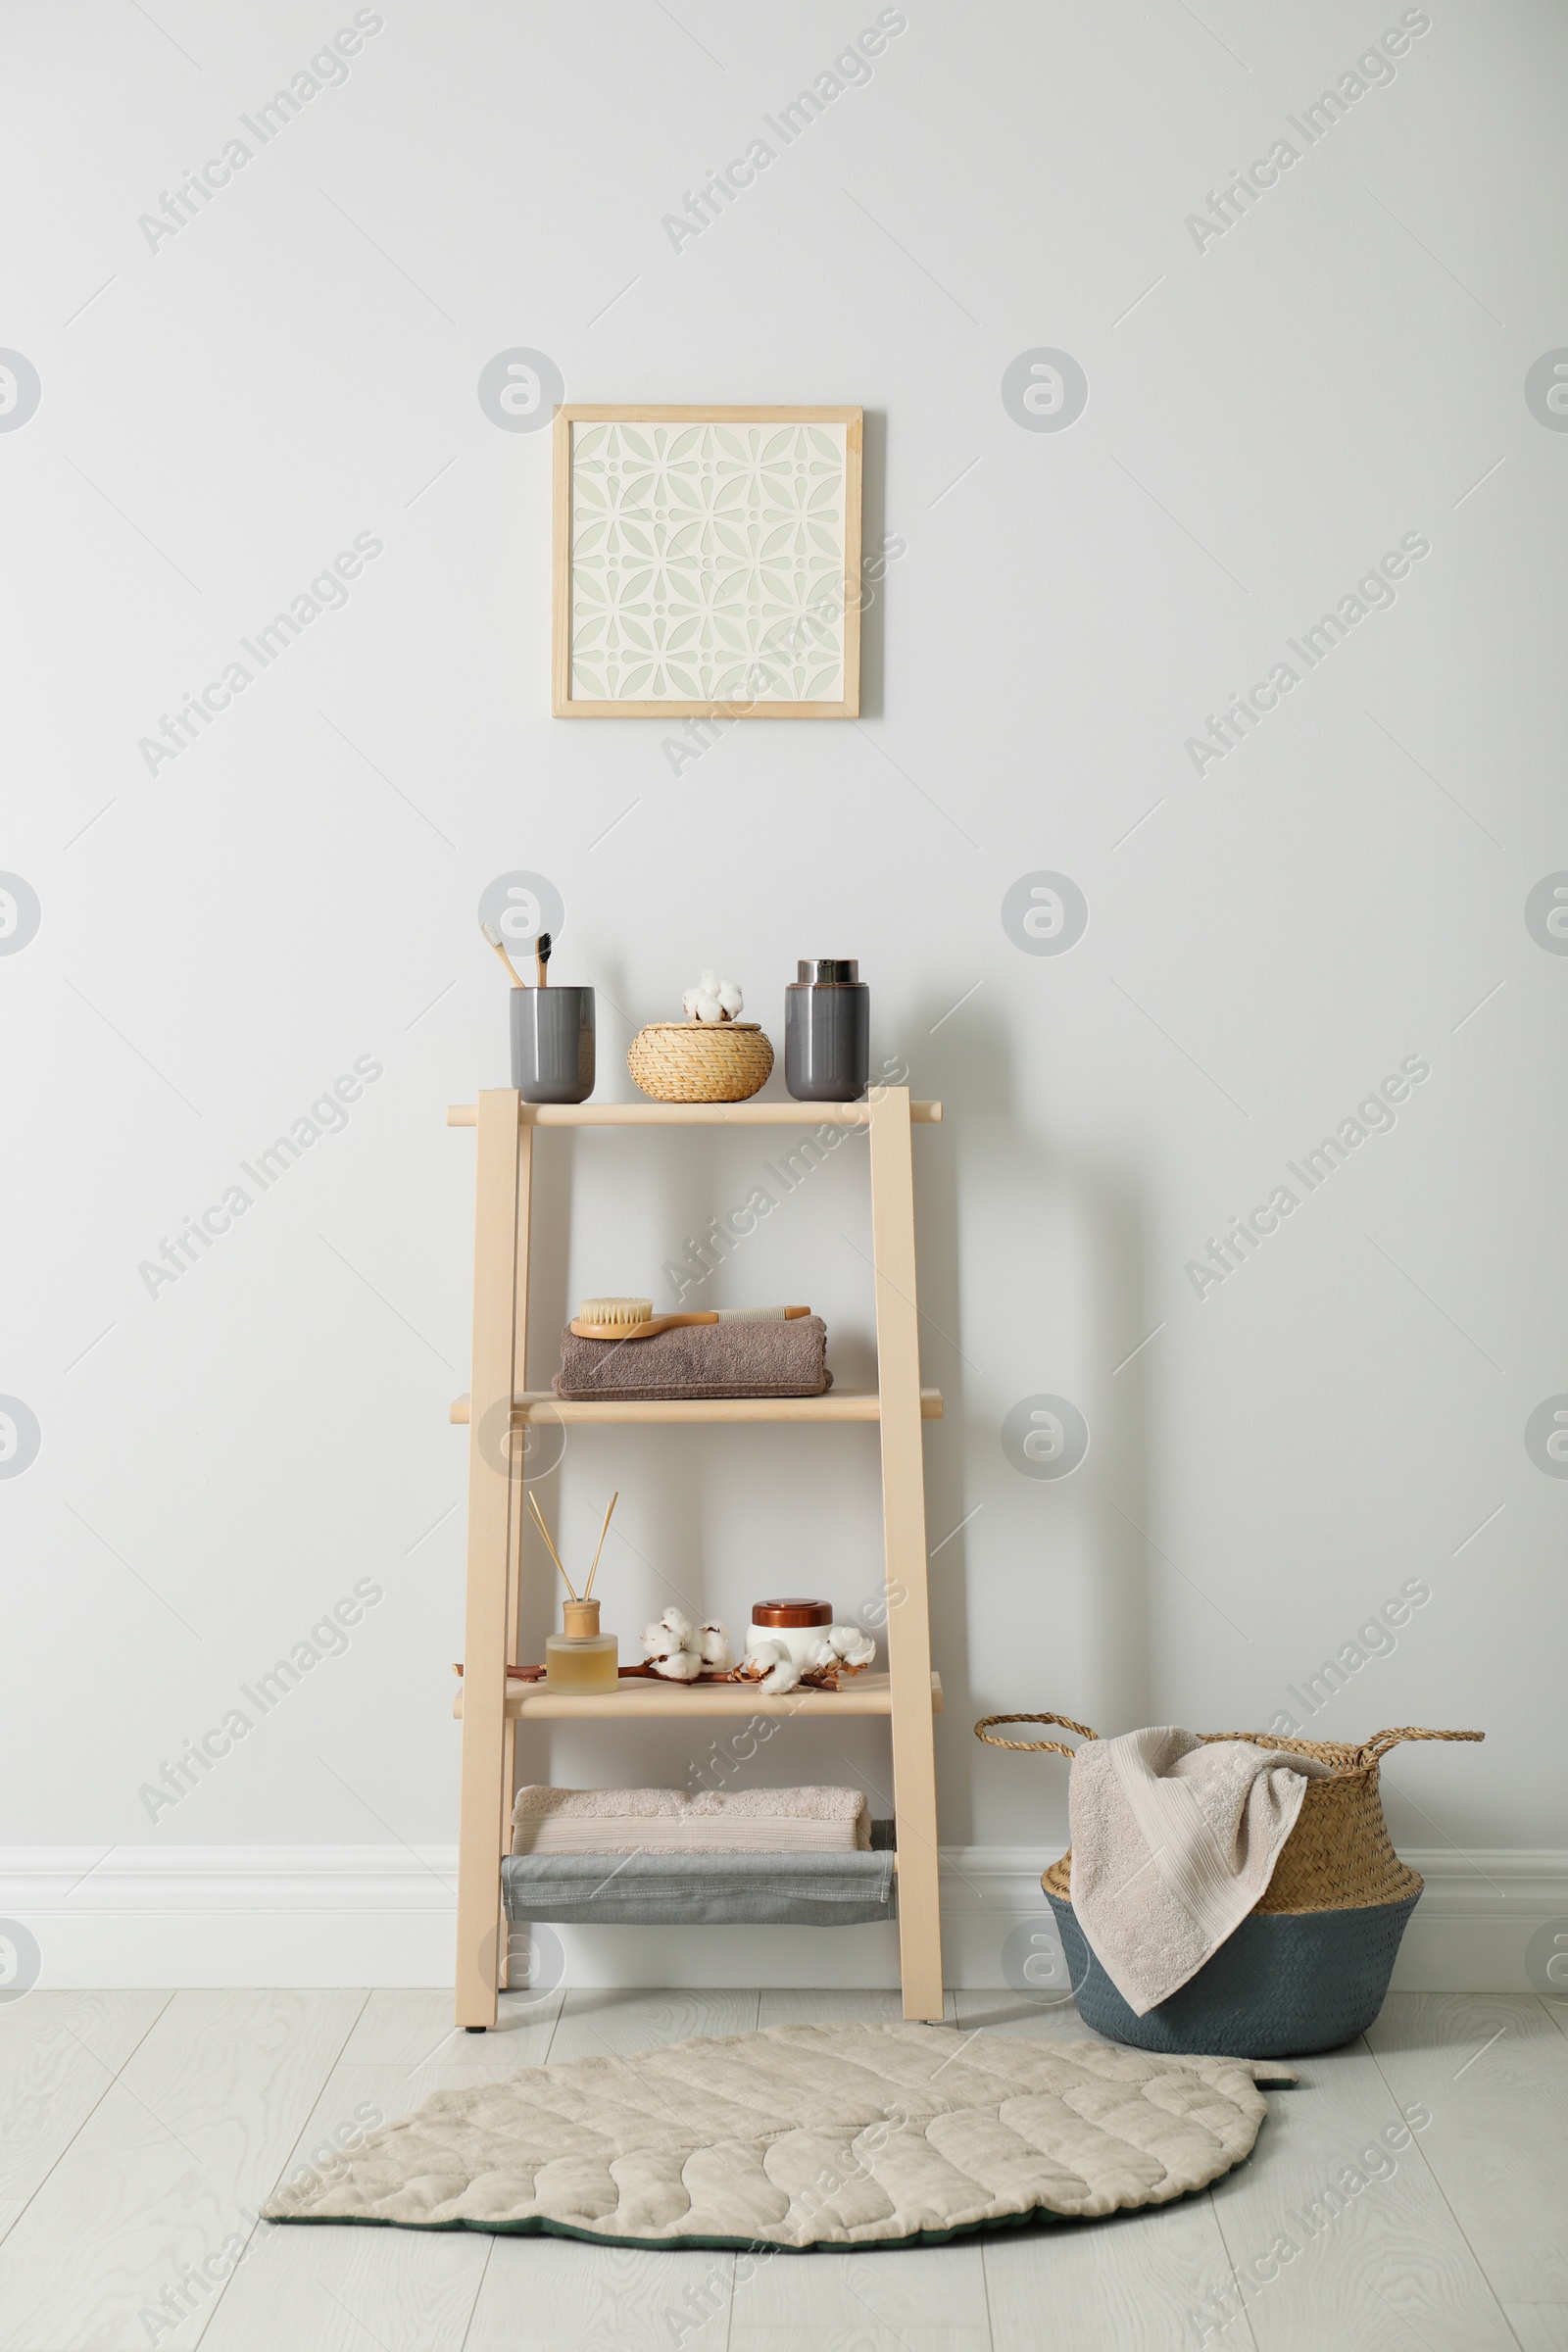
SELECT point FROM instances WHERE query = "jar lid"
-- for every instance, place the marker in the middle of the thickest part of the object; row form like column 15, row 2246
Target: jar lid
column 820, row 970
column 791, row 1612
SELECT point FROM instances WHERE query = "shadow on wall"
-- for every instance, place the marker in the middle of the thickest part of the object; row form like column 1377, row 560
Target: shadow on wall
column 1083, row 1634
column 873, row 538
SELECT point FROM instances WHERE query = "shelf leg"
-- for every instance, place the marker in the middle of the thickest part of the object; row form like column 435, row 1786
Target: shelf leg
column 908, row 1629
column 494, row 1495
column 520, row 1381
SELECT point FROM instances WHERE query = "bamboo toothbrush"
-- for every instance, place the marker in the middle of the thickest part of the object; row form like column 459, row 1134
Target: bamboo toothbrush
column 635, row 1319
column 539, row 1522
column 603, row 1533
column 494, row 940
column 541, row 956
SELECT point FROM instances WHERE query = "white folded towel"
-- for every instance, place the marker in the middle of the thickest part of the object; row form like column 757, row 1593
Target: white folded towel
column 666, row 1821
column 1173, row 1841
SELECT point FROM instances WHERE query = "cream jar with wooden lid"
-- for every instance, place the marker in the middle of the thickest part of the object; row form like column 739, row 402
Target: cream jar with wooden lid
column 581, row 1659
column 799, row 1624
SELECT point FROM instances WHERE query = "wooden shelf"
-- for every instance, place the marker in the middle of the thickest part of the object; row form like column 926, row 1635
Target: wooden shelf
column 839, row 1404
column 647, row 1701
column 692, row 1114
column 503, row 1567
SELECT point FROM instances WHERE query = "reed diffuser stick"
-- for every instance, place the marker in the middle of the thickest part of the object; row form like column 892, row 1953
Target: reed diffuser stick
column 539, row 1522
column 603, row 1533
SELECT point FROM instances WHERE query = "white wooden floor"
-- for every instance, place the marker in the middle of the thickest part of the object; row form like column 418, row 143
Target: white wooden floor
column 139, row 2131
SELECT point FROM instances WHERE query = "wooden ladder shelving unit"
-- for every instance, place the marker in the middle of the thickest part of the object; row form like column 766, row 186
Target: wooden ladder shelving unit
column 909, row 1693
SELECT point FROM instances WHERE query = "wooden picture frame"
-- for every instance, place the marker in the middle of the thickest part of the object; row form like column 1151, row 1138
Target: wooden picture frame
column 704, row 566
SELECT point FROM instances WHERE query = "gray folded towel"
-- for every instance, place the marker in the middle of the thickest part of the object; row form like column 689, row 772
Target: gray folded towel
column 700, row 1359
column 806, row 1891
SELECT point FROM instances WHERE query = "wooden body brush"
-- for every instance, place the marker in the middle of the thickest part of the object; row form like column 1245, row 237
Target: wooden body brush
column 635, row 1319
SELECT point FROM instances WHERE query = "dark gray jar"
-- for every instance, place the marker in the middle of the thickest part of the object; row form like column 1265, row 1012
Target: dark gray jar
column 552, row 1044
column 828, row 1031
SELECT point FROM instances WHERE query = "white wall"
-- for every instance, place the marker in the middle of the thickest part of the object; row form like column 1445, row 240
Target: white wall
column 218, row 940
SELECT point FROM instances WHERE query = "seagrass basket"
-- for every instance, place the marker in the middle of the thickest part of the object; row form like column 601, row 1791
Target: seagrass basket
column 699, row 1062
column 1308, row 1968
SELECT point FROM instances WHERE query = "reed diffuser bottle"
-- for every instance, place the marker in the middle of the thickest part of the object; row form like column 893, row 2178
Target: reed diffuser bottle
column 580, row 1659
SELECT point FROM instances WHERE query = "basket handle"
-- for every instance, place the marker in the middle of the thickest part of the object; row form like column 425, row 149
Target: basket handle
column 1381, row 1742
column 1056, row 1746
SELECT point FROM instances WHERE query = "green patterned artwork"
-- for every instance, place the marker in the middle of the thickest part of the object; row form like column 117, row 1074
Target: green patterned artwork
column 708, row 557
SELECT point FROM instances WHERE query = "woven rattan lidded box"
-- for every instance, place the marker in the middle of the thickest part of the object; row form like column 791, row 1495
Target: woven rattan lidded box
column 699, row 1062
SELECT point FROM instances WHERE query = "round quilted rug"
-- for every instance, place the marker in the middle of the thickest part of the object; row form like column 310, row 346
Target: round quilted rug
column 840, row 2135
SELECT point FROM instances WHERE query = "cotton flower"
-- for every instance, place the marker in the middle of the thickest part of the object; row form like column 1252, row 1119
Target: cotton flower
column 841, row 1646
column 712, row 999
column 672, row 1635
column 850, row 1644
column 770, row 1664
column 680, row 1652
column 681, row 1666
column 714, row 1647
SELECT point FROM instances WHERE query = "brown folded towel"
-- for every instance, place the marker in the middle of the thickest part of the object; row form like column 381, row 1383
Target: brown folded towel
column 700, row 1359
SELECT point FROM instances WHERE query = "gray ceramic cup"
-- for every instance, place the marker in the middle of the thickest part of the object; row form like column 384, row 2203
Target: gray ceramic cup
column 552, row 1044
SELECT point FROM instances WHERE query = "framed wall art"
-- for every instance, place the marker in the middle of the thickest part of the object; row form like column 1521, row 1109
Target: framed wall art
column 706, row 563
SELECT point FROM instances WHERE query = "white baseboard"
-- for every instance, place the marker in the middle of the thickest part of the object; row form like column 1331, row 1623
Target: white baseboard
column 346, row 1915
